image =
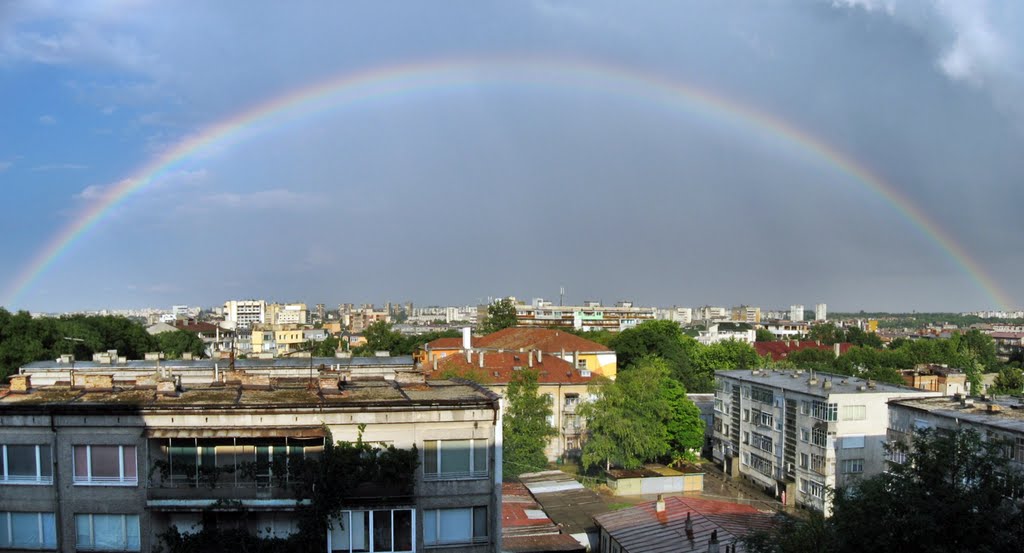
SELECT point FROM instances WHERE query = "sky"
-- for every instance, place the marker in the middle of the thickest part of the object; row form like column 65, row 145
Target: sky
column 624, row 151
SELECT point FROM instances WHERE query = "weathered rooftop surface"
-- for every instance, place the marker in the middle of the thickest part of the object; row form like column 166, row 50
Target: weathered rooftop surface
column 643, row 528
column 800, row 381
column 223, row 364
column 566, row 501
column 526, row 528
column 1002, row 413
column 269, row 392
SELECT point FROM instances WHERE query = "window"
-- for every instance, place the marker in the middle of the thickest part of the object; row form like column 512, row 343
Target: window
column 824, row 411
column 764, row 395
column 447, row 459
column 746, row 415
column 719, row 406
column 819, row 437
column 818, row 463
column 762, row 442
column 27, row 531
column 581, row 363
column 804, row 460
column 107, row 532
column 853, row 466
column 379, row 530
column 451, row 526
column 805, row 435
column 1019, row 451
column 760, row 464
column 763, row 418
column 855, row 412
column 26, row 464
column 105, row 465
column 805, row 408
column 816, row 489
column 853, row 442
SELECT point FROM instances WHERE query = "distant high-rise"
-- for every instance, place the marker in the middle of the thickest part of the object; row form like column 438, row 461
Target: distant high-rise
column 243, row 313
column 820, row 313
column 796, row 312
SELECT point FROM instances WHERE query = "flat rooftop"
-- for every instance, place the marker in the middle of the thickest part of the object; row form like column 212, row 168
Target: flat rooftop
column 1008, row 414
column 242, row 364
column 798, row 381
column 294, row 393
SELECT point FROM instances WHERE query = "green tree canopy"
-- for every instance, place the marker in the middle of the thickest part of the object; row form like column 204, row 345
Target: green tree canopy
column 525, row 427
column 1009, row 381
column 765, row 335
column 173, row 344
column 500, row 315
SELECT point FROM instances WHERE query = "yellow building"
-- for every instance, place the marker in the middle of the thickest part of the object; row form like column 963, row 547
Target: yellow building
column 277, row 339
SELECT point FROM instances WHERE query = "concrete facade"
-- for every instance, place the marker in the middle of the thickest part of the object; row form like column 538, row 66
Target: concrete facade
column 230, row 422
column 796, row 434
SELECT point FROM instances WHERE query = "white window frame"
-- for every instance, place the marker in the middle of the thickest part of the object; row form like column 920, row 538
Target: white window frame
column 373, row 546
column 7, row 541
column 437, row 529
column 853, row 466
column 39, row 480
column 91, row 480
column 92, row 531
column 854, row 412
column 472, row 474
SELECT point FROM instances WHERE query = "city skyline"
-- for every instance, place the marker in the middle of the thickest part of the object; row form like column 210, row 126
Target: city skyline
column 861, row 153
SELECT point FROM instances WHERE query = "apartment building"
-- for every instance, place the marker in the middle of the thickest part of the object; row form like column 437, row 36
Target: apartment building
column 590, row 316
column 820, row 312
column 796, row 434
column 746, row 314
column 565, row 386
column 243, row 313
column 111, row 462
column 796, row 312
column 720, row 332
column 1001, row 418
column 278, row 339
column 287, row 313
column 357, row 321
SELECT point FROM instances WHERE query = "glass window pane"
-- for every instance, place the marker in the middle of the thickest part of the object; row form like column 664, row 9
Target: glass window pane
column 108, row 531
column 480, row 456
column 479, row 522
column 456, row 525
column 360, row 531
column 4, row 541
column 430, row 457
column 130, row 470
column 132, row 532
column 81, row 462
column 21, row 461
column 49, row 530
column 339, row 532
column 105, row 461
column 25, row 530
column 382, row 530
column 455, row 456
column 83, row 531
column 403, row 530
column 183, row 461
column 430, row 526
column 45, row 461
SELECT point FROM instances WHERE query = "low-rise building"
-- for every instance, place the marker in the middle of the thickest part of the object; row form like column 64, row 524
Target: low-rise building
column 937, row 378
column 109, row 463
column 796, row 434
column 1001, row 418
column 591, row 316
column 720, row 332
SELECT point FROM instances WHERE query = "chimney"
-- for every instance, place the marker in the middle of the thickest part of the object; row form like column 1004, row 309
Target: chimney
column 688, row 525
column 186, row 356
column 539, row 354
column 659, row 505
column 435, row 364
column 20, row 383
column 713, row 544
column 481, row 359
column 827, row 384
column 531, row 358
column 576, row 358
column 467, row 338
column 469, row 356
column 836, row 349
column 166, row 387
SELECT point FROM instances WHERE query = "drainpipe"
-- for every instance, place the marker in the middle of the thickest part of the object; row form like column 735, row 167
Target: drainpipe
column 59, row 522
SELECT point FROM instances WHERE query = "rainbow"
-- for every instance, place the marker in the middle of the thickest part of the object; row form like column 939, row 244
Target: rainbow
column 351, row 89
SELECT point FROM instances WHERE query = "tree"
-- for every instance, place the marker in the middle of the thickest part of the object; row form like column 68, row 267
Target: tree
column 955, row 492
column 626, row 424
column 379, row 337
column 765, row 335
column 826, row 333
column 525, row 427
column 500, row 315
column 1009, row 381
column 173, row 344
column 682, row 421
column 720, row 356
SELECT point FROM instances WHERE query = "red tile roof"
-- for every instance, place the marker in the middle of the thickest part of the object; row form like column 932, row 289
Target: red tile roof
column 781, row 349
column 642, row 528
column 499, row 368
column 444, row 343
column 544, row 339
